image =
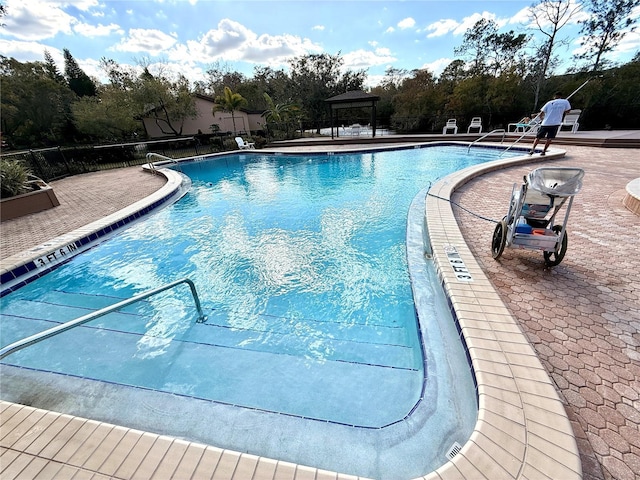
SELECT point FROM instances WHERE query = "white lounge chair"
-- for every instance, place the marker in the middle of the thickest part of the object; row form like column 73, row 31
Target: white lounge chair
column 525, row 125
column 571, row 120
column 476, row 122
column 242, row 145
column 451, row 125
column 355, row 130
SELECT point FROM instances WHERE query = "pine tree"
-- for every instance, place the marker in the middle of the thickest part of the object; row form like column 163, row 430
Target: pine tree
column 52, row 69
column 79, row 82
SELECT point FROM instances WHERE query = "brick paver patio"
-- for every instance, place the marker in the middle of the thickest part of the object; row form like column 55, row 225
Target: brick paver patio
column 582, row 316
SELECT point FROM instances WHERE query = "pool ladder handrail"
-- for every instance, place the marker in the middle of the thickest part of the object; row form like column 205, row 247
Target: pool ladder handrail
column 152, row 165
column 513, row 144
column 38, row 337
column 497, row 130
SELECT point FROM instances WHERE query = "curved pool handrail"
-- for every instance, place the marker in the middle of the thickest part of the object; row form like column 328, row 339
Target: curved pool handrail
column 38, row 337
column 497, row 130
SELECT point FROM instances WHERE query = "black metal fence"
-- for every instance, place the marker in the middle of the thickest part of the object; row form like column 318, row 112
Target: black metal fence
column 58, row 162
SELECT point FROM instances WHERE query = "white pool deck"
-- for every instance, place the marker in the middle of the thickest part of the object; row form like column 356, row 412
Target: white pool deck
column 522, row 431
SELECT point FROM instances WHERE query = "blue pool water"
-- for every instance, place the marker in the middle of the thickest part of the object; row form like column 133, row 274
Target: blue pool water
column 301, row 266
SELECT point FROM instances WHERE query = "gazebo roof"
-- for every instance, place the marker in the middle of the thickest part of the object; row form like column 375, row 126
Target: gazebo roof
column 353, row 96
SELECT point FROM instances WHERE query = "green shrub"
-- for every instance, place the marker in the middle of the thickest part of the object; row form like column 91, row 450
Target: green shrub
column 229, row 144
column 13, row 178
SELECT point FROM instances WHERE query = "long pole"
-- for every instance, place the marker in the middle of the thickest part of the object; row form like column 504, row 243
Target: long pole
column 587, row 81
column 577, row 89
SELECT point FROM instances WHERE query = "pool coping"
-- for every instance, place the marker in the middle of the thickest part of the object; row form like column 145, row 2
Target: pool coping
column 522, row 429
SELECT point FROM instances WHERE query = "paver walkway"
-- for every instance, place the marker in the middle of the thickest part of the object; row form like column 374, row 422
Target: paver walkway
column 83, row 199
column 582, row 316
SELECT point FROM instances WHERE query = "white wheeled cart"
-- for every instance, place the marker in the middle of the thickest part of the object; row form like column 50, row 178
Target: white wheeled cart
column 531, row 220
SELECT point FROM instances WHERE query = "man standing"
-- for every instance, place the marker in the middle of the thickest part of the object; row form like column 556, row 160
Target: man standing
column 552, row 114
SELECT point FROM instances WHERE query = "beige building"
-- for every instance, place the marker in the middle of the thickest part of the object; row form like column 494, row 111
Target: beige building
column 245, row 122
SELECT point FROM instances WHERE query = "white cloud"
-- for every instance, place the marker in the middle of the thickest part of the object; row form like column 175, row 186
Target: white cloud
column 373, row 80
column 318, row 27
column 366, row 58
column 144, row 40
column 437, row 66
column 449, row 25
column 390, row 30
column 90, row 66
column 228, row 37
column 29, row 21
column 471, row 20
column 232, row 41
column 630, row 42
column 522, row 17
column 84, row 5
column 40, row 21
column 28, row 51
column 406, row 23
column 277, row 49
column 97, row 30
column 441, row 27
column 34, row 52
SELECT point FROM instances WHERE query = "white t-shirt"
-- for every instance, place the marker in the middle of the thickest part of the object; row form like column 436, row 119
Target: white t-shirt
column 554, row 111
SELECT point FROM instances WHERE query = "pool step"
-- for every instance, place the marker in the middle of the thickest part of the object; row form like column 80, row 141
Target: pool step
column 276, row 371
column 260, row 325
column 359, row 344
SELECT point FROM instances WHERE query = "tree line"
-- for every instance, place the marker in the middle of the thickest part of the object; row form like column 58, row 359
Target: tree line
column 500, row 76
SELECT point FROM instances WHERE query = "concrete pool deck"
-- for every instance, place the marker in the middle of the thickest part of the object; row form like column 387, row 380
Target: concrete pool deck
column 580, row 322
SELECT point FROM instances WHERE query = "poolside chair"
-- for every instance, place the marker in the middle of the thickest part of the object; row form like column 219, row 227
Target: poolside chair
column 244, row 145
column 525, row 125
column 355, row 130
column 571, row 120
column 476, row 122
column 451, row 125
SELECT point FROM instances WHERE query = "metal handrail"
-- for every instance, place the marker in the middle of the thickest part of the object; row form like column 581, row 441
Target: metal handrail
column 163, row 157
column 38, row 337
column 150, row 155
column 513, row 144
column 497, row 130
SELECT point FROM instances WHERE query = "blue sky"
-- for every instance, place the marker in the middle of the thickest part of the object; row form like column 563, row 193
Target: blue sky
column 188, row 36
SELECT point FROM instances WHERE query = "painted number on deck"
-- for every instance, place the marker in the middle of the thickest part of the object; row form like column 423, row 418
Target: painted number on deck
column 56, row 256
column 458, row 266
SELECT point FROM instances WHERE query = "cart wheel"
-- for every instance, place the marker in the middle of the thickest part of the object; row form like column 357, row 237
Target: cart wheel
column 551, row 259
column 499, row 239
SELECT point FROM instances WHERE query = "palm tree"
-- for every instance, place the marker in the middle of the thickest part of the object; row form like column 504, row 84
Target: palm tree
column 229, row 102
column 280, row 114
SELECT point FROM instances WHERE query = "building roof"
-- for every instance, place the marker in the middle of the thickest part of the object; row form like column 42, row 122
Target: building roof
column 353, row 96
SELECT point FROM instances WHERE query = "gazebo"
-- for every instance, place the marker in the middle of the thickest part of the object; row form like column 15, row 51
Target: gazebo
column 353, row 99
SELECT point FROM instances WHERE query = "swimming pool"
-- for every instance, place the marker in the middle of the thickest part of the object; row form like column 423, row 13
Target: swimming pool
column 334, row 350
